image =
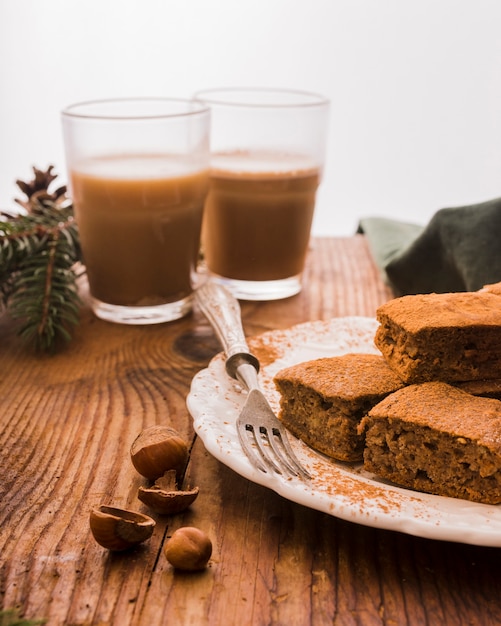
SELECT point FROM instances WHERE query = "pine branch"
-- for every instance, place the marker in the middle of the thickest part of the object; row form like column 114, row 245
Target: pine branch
column 38, row 280
column 10, row 617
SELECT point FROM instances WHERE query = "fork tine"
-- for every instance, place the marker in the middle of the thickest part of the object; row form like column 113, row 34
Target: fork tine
column 283, row 464
column 259, row 436
column 289, row 459
column 284, row 459
column 262, row 437
column 254, row 458
column 258, row 424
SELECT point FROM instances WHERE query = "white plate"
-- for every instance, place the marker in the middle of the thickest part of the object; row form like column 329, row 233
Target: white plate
column 341, row 490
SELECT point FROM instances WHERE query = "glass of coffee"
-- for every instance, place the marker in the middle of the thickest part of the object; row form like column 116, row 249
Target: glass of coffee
column 267, row 155
column 138, row 174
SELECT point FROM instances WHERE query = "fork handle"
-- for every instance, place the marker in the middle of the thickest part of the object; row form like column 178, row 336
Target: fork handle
column 222, row 310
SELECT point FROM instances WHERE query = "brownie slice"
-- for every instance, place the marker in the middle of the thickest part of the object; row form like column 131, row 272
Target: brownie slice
column 436, row 438
column 322, row 401
column 489, row 388
column 447, row 337
column 494, row 288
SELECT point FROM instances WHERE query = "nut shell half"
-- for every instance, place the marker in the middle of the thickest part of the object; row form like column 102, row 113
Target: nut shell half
column 164, row 497
column 119, row 529
column 167, row 502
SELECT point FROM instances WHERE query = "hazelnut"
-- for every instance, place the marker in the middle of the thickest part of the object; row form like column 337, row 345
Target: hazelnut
column 158, row 449
column 188, row 549
column 119, row 529
column 164, row 497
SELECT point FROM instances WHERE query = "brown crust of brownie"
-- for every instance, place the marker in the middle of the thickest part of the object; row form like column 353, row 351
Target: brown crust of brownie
column 447, row 337
column 494, row 288
column 322, row 401
column 490, row 388
column 439, row 439
column 443, row 310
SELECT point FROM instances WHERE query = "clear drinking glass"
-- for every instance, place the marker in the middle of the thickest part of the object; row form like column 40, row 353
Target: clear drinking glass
column 138, row 174
column 267, row 156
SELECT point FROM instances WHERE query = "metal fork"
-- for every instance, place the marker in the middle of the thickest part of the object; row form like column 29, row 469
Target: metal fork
column 262, row 436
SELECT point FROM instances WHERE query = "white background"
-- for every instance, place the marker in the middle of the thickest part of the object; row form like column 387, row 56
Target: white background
column 415, row 86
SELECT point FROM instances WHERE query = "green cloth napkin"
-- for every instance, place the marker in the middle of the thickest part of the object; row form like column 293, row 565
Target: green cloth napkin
column 459, row 249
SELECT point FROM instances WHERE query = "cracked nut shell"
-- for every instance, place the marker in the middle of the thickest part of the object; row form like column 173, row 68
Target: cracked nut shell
column 158, row 449
column 163, row 497
column 119, row 529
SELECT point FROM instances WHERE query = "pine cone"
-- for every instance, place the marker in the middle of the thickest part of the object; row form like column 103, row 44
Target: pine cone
column 37, row 190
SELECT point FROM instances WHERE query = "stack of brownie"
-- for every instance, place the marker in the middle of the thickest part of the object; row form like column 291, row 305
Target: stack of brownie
column 425, row 413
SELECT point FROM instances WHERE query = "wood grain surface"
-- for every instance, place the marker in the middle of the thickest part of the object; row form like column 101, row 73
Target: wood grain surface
column 66, row 425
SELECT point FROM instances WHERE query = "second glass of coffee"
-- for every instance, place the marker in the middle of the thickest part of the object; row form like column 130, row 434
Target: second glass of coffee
column 267, row 156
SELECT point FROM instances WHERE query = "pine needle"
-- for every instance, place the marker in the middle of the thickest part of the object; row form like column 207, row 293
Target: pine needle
column 10, row 617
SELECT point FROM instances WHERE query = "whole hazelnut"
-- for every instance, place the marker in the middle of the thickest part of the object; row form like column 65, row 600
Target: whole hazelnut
column 158, row 449
column 188, row 549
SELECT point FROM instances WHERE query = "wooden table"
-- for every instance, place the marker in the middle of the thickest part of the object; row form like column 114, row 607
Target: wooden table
column 67, row 423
